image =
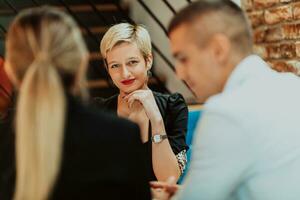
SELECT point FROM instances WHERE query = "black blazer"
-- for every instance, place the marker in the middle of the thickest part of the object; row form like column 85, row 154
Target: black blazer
column 174, row 111
column 101, row 158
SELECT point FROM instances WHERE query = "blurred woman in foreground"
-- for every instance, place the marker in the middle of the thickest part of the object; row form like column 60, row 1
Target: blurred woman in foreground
column 59, row 142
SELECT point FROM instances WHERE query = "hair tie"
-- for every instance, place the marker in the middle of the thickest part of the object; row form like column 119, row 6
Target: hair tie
column 42, row 56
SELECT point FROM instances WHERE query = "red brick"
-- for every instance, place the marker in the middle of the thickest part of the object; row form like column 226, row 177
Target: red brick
column 277, row 51
column 256, row 18
column 260, row 50
column 288, row 50
column 273, row 51
column 259, row 35
column 274, row 34
column 270, row 34
column 296, row 11
column 284, row 66
column 279, row 14
column 247, row 4
column 291, row 31
column 297, row 45
column 264, row 3
column 295, row 64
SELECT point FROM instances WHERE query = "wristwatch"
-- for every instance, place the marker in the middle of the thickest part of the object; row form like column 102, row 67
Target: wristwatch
column 158, row 138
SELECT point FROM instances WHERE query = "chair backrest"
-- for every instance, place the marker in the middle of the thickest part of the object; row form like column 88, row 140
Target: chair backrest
column 193, row 119
column 192, row 123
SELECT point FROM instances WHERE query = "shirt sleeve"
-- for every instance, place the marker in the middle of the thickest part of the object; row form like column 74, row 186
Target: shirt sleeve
column 220, row 159
column 176, row 128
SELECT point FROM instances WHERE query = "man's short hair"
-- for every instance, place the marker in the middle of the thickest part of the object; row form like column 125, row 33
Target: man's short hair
column 216, row 16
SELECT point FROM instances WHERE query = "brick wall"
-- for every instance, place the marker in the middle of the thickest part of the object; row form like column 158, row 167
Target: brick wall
column 276, row 31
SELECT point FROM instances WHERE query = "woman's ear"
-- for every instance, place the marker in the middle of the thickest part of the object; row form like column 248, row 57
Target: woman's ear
column 8, row 69
column 149, row 61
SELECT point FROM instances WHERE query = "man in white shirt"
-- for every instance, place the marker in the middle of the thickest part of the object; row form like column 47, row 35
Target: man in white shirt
column 247, row 145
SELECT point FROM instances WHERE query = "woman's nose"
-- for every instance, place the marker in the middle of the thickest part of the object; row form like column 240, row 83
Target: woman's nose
column 125, row 72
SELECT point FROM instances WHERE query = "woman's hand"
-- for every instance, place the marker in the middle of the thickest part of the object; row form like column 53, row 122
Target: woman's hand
column 137, row 113
column 146, row 98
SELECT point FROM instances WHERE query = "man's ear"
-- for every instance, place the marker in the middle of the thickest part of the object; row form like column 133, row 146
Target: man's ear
column 149, row 61
column 221, row 47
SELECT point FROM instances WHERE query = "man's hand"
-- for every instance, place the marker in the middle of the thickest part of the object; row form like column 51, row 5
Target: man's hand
column 164, row 190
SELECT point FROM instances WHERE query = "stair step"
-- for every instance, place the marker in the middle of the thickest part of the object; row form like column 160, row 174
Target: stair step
column 19, row 4
column 95, row 56
column 88, row 8
column 97, row 30
column 96, row 70
column 98, row 84
column 82, row 8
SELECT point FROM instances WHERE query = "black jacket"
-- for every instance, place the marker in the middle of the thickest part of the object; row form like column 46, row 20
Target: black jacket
column 101, row 158
column 174, row 111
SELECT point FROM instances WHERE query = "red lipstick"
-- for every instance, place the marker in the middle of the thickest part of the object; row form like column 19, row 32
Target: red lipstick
column 128, row 81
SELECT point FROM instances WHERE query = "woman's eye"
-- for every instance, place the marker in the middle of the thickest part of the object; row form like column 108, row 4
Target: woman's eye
column 114, row 66
column 132, row 62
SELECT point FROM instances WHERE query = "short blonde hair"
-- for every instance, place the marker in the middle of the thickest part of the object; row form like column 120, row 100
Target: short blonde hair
column 125, row 32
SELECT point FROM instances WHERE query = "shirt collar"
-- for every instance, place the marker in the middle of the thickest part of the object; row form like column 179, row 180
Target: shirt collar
column 251, row 66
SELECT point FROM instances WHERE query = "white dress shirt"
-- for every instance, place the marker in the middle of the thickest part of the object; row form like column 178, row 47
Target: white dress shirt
column 247, row 143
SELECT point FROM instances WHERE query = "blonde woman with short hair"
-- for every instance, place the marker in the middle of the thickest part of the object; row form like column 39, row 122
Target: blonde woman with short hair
column 126, row 50
column 58, row 140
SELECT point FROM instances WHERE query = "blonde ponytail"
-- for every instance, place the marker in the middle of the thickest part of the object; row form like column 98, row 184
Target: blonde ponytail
column 47, row 58
column 40, row 126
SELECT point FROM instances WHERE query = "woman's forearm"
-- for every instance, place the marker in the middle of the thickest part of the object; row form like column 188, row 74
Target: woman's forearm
column 164, row 160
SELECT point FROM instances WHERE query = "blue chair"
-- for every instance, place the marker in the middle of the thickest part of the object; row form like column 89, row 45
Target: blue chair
column 193, row 118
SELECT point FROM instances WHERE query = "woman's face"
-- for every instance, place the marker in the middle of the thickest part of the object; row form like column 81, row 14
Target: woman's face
column 127, row 67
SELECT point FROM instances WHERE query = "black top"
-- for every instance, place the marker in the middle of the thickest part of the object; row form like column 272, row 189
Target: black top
column 174, row 111
column 101, row 158
column 7, row 157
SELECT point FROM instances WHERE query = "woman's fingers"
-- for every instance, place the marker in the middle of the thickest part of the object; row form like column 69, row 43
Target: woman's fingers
column 138, row 94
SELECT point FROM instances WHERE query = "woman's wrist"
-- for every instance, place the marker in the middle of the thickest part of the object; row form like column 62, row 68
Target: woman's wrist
column 157, row 126
column 157, row 121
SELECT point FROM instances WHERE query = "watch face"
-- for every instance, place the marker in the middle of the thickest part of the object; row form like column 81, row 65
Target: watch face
column 156, row 138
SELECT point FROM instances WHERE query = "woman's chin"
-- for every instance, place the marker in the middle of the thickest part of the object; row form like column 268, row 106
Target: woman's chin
column 130, row 89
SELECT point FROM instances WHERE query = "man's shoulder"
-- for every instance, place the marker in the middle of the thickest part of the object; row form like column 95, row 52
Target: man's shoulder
column 236, row 104
column 257, row 97
column 224, row 101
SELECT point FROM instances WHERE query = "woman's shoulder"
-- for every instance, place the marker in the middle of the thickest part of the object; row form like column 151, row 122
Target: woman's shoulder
column 169, row 98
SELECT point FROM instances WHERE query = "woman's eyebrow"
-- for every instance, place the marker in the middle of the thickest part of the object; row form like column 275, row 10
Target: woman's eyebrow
column 132, row 58
column 111, row 62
